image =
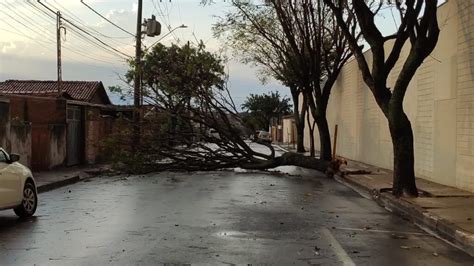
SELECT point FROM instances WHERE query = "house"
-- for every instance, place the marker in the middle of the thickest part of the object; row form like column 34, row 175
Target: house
column 83, row 91
column 289, row 129
column 50, row 129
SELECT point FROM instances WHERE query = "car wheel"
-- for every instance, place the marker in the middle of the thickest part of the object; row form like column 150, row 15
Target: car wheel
column 29, row 202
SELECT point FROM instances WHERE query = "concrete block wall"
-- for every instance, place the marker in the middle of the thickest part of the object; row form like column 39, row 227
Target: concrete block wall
column 288, row 130
column 439, row 103
column 92, row 137
column 465, row 95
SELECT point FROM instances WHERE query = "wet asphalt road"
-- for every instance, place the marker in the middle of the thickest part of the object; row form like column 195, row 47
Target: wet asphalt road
column 216, row 218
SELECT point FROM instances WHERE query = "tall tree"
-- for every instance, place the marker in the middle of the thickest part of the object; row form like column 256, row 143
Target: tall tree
column 210, row 133
column 418, row 26
column 252, row 47
column 263, row 107
column 309, row 46
column 172, row 74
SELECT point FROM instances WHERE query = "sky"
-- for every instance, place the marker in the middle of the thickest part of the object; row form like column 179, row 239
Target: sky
column 28, row 40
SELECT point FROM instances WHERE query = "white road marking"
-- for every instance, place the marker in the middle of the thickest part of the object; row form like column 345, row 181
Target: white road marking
column 381, row 231
column 337, row 248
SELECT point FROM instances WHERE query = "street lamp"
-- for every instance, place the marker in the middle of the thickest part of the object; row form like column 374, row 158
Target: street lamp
column 182, row 26
column 168, row 33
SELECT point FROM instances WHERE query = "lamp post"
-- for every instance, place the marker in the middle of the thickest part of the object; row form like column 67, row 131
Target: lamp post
column 162, row 37
column 153, row 29
column 153, row 44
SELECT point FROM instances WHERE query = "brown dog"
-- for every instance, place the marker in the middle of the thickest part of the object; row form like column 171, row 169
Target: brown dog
column 335, row 166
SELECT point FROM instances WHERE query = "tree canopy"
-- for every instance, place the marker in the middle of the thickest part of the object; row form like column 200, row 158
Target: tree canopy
column 263, row 107
column 172, row 75
column 296, row 42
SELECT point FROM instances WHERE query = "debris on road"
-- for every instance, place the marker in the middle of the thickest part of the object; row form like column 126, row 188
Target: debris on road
column 408, row 247
column 395, row 236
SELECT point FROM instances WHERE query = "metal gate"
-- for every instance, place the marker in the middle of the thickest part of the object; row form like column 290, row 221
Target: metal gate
column 74, row 130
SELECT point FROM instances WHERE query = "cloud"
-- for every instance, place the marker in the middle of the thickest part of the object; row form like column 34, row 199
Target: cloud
column 135, row 7
column 19, row 47
column 5, row 46
column 125, row 19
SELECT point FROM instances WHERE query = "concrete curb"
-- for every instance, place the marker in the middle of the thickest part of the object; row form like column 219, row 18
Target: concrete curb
column 58, row 184
column 424, row 219
column 280, row 147
column 80, row 176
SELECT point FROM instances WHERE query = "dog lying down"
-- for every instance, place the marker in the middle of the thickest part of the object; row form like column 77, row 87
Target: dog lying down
column 336, row 167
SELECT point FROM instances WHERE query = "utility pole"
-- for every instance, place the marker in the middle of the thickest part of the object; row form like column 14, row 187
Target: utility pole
column 58, row 43
column 137, row 81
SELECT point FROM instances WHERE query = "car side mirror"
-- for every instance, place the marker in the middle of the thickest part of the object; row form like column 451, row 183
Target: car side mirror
column 14, row 158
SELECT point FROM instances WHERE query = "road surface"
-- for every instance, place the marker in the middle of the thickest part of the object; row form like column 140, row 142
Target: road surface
column 216, row 218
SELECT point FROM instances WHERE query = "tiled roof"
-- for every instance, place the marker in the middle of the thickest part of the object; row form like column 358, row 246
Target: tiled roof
column 77, row 90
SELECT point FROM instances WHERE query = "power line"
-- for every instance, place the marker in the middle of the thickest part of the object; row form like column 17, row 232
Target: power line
column 165, row 18
column 84, row 38
column 86, row 32
column 78, row 52
column 41, row 10
column 17, row 21
column 21, row 33
column 25, row 19
column 84, row 24
column 88, row 45
column 106, row 19
column 111, row 50
column 97, row 39
column 46, row 43
column 40, row 15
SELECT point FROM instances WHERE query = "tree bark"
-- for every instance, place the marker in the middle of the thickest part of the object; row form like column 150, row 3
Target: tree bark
column 403, row 155
column 290, row 158
column 299, row 119
column 312, row 151
column 324, row 137
column 300, row 137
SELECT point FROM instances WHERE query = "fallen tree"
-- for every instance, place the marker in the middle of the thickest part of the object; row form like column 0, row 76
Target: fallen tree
column 205, row 133
column 192, row 146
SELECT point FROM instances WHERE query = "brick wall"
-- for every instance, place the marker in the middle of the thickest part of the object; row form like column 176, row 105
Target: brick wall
column 37, row 131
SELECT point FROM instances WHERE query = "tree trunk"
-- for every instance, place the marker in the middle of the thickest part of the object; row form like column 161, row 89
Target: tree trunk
column 290, row 158
column 324, row 137
column 300, row 137
column 403, row 155
column 173, row 123
column 312, row 151
column 299, row 119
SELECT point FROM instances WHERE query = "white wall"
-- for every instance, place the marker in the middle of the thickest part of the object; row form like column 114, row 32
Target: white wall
column 288, row 130
column 439, row 103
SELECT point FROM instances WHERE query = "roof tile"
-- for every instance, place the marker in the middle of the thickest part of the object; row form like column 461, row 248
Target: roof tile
column 77, row 90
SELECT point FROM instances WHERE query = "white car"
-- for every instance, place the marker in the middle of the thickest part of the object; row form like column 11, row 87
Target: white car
column 17, row 186
column 264, row 136
column 213, row 133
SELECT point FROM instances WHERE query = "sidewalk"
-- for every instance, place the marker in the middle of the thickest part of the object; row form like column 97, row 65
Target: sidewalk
column 445, row 211
column 48, row 180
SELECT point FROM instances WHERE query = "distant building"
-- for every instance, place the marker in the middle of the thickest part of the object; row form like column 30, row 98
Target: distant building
column 83, row 91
